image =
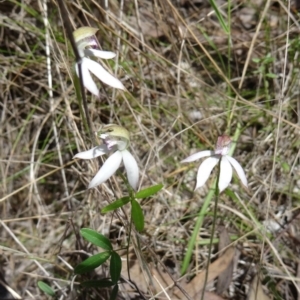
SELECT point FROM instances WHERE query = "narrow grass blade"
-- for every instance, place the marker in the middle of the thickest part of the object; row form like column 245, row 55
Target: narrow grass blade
column 46, row 288
column 198, row 225
column 219, row 16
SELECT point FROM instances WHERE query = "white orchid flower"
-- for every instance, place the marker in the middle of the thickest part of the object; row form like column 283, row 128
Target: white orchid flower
column 226, row 164
column 115, row 138
column 87, row 47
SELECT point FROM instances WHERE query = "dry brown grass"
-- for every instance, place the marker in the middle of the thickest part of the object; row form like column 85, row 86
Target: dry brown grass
column 186, row 86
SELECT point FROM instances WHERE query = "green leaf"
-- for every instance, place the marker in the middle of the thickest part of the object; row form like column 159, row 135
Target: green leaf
column 46, row 288
column 114, row 293
column 219, row 15
column 256, row 60
column 268, row 59
column 92, row 262
column 116, row 204
column 115, row 267
column 137, row 215
column 96, row 238
column 286, row 167
column 271, row 75
column 103, row 283
column 148, row 191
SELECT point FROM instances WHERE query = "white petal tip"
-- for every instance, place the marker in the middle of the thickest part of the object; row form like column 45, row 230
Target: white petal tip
column 132, row 169
column 97, row 94
column 200, row 184
column 119, row 85
column 91, row 186
column 135, row 187
column 198, row 187
column 197, row 156
column 100, row 73
column 92, row 88
column 82, row 155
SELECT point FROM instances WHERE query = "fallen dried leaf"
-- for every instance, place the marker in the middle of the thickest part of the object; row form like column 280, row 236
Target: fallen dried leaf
column 159, row 282
column 195, row 287
column 212, row 296
column 225, row 278
column 256, row 291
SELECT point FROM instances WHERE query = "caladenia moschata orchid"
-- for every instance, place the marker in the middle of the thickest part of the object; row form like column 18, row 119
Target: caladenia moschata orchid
column 115, row 139
column 87, row 45
column 220, row 154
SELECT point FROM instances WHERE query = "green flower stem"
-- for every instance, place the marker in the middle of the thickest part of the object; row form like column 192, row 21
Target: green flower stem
column 69, row 31
column 78, row 95
column 217, row 193
column 203, row 211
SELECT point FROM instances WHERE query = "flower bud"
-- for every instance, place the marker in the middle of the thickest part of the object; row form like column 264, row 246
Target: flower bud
column 223, row 145
column 85, row 38
column 115, row 135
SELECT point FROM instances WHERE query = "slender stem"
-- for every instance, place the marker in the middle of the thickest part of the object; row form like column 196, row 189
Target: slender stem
column 64, row 15
column 128, row 186
column 130, row 223
column 78, row 95
column 69, row 31
column 217, row 192
column 127, row 254
column 128, row 243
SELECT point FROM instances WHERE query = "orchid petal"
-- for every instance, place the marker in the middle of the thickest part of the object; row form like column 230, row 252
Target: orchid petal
column 99, row 53
column 198, row 155
column 87, row 79
column 225, row 174
column 92, row 153
column 205, row 170
column 132, row 169
column 107, row 170
column 239, row 170
column 102, row 74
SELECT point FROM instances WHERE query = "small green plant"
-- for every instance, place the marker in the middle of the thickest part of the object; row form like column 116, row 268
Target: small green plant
column 99, row 259
column 136, row 210
column 103, row 242
column 264, row 70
